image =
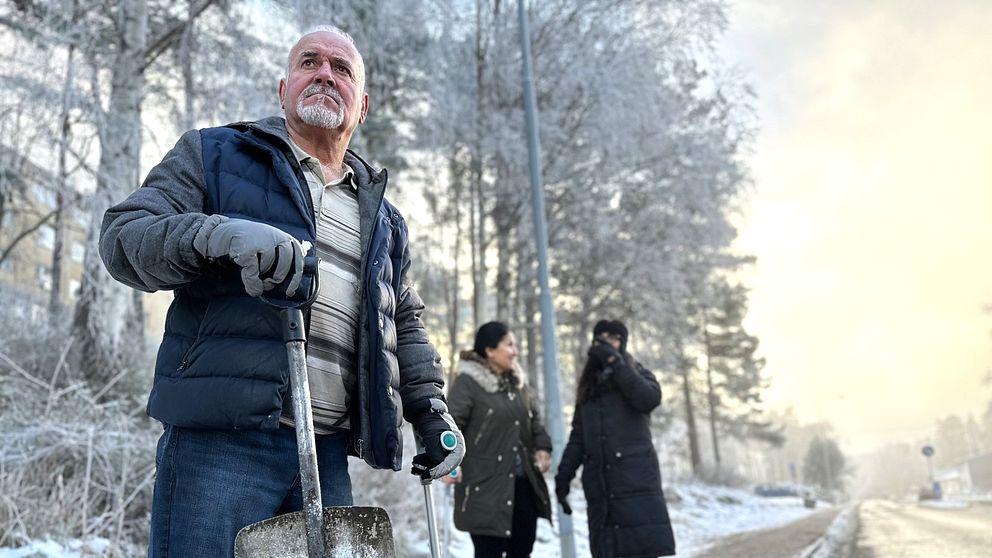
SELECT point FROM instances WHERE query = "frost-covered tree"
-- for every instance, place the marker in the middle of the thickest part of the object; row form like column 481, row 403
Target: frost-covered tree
column 954, row 440
column 824, row 464
column 642, row 169
column 734, row 383
column 116, row 42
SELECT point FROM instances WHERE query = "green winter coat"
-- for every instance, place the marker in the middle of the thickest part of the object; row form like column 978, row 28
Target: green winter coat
column 498, row 416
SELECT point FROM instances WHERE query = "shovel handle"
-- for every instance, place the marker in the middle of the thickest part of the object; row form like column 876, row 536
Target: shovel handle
column 310, row 267
column 295, row 337
column 313, row 508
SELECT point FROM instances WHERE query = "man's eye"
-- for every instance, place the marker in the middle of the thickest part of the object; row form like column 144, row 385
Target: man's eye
column 308, row 63
column 345, row 69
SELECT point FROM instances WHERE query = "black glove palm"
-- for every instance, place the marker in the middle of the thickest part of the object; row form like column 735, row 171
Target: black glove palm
column 436, row 461
column 605, row 354
column 429, row 428
column 561, row 492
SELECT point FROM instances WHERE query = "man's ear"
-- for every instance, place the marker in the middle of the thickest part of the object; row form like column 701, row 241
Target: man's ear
column 282, row 90
column 365, row 108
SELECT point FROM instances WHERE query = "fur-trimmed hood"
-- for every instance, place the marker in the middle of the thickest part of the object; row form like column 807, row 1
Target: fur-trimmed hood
column 478, row 368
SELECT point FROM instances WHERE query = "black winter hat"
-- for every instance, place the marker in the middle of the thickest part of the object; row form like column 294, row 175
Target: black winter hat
column 613, row 327
column 601, row 327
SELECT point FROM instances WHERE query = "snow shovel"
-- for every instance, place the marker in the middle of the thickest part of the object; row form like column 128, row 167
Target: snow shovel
column 315, row 532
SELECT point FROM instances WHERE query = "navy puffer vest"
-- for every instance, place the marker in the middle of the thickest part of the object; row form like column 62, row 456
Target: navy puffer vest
column 222, row 363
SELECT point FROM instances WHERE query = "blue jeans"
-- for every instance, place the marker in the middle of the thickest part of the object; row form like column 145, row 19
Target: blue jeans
column 211, row 483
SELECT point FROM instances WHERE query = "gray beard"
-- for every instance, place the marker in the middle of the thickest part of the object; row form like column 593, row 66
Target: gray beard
column 320, row 116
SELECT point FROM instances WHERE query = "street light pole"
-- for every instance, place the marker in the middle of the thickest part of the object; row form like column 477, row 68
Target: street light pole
column 552, row 394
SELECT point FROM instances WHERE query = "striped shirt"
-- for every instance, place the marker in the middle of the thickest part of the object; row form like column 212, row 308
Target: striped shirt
column 332, row 360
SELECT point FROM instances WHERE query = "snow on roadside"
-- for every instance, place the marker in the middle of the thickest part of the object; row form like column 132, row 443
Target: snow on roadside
column 50, row 549
column 836, row 542
column 700, row 514
column 945, row 504
column 707, row 513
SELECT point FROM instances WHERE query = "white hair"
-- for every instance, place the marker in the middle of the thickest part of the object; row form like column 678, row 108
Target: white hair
column 330, row 29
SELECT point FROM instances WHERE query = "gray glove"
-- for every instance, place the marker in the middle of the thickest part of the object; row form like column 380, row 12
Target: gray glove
column 266, row 255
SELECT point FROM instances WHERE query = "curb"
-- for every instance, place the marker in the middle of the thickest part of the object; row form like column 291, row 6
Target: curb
column 838, row 540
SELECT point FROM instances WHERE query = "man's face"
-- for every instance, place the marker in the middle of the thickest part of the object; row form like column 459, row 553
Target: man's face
column 324, row 86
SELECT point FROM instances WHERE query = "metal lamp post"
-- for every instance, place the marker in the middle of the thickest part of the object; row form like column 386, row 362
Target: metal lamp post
column 552, row 394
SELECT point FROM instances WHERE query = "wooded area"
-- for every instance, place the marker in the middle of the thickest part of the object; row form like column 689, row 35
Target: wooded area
column 644, row 134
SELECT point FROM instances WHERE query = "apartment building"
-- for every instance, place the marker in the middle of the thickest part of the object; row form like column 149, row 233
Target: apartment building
column 28, row 200
column 27, row 233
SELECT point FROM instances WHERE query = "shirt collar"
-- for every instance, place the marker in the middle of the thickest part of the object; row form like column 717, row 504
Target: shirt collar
column 348, row 177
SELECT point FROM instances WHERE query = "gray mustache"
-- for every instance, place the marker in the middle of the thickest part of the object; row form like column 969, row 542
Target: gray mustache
column 322, row 89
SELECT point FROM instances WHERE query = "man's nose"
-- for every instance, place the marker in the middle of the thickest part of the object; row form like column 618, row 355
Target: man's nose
column 324, row 74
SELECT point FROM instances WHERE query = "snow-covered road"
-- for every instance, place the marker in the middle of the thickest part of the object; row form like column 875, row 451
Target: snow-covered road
column 908, row 530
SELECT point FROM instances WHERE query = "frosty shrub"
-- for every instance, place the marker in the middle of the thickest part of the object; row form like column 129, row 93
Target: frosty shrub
column 73, row 463
column 723, row 476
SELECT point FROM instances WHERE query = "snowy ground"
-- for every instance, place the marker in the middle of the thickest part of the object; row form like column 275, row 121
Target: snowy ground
column 700, row 515
column 52, row 549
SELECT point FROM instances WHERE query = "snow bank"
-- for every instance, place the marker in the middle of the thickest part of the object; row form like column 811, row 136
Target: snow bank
column 945, row 504
column 51, row 549
column 837, row 541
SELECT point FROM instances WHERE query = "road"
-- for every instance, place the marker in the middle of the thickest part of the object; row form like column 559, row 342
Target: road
column 907, row 530
column 786, row 541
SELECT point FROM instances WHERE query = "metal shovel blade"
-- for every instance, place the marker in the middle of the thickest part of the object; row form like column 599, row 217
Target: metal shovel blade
column 349, row 531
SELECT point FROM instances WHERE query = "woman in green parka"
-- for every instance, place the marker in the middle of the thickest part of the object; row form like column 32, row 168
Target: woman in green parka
column 500, row 491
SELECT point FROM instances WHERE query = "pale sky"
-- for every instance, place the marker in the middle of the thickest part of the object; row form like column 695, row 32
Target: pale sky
column 872, row 210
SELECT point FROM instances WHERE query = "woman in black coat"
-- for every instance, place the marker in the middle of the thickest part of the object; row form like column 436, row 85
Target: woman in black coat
column 611, row 440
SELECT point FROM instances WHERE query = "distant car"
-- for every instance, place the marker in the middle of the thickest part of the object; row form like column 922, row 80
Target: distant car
column 777, row 490
column 927, row 493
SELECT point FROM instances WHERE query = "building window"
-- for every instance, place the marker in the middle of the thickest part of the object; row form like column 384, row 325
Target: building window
column 45, row 196
column 46, row 236
column 77, row 252
column 44, row 278
column 81, row 219
column 73, row 289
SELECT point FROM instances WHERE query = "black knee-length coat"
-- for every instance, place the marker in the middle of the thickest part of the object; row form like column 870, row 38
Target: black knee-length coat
column 611, row 440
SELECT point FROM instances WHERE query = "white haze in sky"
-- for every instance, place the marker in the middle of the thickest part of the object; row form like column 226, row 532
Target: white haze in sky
column 872, row 212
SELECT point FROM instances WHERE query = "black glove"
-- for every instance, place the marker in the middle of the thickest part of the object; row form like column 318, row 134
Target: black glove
column 605, row 354
column 266, row 255
column 561, row 491
column 436, row 461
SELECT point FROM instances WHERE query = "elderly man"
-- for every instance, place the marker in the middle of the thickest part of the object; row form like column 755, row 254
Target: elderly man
column 222, row 220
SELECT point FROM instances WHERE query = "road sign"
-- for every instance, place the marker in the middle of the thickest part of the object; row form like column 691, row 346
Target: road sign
column 928, row 451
